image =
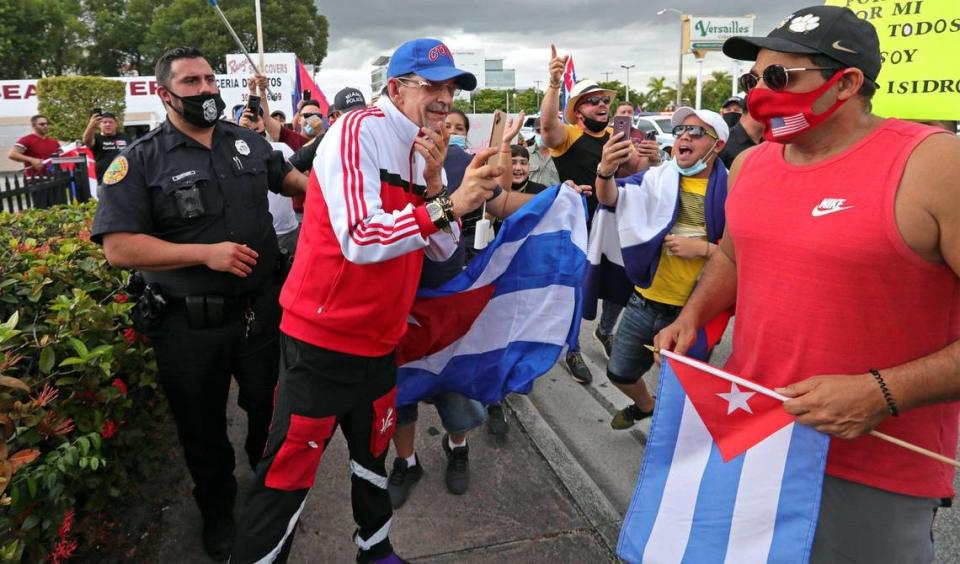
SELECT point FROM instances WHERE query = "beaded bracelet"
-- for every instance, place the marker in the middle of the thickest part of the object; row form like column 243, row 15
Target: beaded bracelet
column 891, row 405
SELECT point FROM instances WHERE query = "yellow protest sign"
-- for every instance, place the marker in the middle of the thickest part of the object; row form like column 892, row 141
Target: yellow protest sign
column 918, row 40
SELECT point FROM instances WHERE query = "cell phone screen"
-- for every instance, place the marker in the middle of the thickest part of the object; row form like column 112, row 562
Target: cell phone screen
column 622, row 124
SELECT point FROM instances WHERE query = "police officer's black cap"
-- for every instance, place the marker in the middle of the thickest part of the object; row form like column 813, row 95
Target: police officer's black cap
column 348, row 99
column 108, row 115
column 818, row 30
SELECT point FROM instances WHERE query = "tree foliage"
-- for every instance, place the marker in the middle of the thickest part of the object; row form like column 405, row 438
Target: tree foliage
column 108, row 37
column 40, row 37
column 658, row 95
column 71, row 98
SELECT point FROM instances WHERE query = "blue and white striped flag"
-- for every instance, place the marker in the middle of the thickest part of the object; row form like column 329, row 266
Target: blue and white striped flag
column 727, row 476
column 506, row 319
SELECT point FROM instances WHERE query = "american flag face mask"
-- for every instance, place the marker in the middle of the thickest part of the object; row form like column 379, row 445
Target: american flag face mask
column 785, row 115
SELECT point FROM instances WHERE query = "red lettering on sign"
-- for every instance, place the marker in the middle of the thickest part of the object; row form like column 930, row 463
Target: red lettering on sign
column 31, row 91
column 138, row 89
column 153, row 86
column 11, row 92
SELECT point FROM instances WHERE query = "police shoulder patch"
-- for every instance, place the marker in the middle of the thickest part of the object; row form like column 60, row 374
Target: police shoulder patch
column 117, row 171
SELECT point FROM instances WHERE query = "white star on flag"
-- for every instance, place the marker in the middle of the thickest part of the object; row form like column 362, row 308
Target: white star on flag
column 737, row 399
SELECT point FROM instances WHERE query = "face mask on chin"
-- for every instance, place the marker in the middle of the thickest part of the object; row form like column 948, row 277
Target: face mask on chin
column 773, row 109
column 594, row 125
column 697, row 167
column 202, row 110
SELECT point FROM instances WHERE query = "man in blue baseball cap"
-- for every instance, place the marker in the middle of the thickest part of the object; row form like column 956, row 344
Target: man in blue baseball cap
column 377, row 207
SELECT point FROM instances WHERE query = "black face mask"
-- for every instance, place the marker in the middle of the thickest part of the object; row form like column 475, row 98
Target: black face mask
column 594, row 125
column 731, row 118
column 202, row 110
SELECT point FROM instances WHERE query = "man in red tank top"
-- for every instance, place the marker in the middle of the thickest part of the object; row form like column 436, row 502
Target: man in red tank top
column 842, row 254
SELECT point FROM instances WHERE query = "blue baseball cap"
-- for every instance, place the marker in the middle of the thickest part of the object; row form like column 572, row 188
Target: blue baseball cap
column 431, row 59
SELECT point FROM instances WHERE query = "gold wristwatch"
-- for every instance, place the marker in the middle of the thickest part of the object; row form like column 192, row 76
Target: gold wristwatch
column 440, row 211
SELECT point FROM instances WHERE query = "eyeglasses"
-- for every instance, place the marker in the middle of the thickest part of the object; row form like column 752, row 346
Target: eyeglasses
column 431, row 87
column 695, row 131
column 595, row 100
column 776, row 77
column 312, row 114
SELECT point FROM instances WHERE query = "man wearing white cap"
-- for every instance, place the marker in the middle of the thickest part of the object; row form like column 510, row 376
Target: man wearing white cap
column 677, row 254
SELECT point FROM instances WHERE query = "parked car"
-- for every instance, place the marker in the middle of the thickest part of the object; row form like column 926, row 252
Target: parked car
column 659, row 123
column 526, row 130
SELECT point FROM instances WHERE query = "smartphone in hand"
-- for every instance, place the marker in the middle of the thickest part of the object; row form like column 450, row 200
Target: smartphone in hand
column 253, row 104
column 622, row 124
column 97, row 112
column 496, row 135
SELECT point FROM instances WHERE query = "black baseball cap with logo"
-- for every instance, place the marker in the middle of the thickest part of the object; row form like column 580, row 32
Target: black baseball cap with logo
column 818, row 30
column 348, row 99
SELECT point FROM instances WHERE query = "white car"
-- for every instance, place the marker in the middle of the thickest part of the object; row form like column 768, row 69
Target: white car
column 526, row 130
column 659, row 124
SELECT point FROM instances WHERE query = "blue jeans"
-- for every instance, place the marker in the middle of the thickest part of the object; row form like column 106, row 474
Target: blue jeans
column 609, row 312
column 642, row 319
column 458, row 413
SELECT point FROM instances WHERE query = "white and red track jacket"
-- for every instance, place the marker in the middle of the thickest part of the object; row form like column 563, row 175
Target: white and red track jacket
column 363, row 237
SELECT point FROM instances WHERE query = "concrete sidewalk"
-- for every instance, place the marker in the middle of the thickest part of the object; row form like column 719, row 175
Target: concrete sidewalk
column 516, row 510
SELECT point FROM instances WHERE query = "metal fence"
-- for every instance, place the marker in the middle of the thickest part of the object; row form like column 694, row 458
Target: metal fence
column 52, row 187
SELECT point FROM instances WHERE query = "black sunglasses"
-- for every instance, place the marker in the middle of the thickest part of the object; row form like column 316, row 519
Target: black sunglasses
column 594, row 100
column 312, row 114
column 776, row 77
column 695, row 131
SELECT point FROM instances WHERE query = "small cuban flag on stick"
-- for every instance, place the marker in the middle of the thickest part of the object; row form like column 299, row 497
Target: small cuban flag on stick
column 728, row 475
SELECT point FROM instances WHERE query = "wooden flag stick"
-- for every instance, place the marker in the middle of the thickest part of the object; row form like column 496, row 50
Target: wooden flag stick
column 260, row 38
column 768, row 392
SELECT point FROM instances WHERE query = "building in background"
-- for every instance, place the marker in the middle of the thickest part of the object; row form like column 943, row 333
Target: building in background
column 378, row 75
column 498, row 77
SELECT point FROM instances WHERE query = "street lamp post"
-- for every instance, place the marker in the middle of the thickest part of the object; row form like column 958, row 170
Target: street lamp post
column 537, row 92
column 628, row 67
column 680, row 64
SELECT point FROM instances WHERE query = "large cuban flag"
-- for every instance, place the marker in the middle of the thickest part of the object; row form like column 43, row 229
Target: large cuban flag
column 509, row 315
column 727, row 476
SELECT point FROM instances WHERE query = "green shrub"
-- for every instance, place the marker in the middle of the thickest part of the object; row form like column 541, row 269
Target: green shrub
column 68, row 100
column 76, row 385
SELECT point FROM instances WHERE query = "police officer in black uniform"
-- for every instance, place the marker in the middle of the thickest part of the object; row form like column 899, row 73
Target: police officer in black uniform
column 186, row 205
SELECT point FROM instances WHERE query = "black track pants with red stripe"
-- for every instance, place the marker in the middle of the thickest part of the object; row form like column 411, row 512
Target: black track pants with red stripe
column 318, row 390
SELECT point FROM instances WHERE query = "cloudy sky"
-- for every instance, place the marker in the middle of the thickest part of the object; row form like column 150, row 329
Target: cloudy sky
column 601, row 34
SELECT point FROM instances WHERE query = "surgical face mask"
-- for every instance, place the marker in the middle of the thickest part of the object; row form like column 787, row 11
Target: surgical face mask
column 697, row 167
column 773, row 109
column 202, row 110
column 538, row 140
column 459, row 141
column 311, row 127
